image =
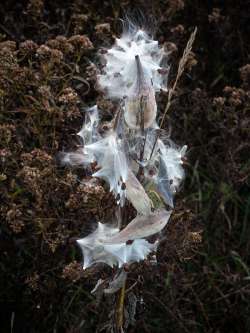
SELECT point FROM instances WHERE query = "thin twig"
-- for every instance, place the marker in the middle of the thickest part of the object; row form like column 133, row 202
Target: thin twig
column 131, row 287
column 118, row 318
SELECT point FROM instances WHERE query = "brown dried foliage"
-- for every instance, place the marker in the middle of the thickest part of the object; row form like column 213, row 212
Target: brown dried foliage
column 48, row 70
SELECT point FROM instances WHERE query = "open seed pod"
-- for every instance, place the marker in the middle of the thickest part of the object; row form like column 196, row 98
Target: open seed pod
column 140, row 104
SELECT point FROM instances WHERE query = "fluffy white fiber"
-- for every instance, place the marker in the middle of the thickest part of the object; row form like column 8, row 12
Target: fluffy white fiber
column 172, row 159
column 111, row 159
column 120, row 70
column 97, row 248
column 89, row 134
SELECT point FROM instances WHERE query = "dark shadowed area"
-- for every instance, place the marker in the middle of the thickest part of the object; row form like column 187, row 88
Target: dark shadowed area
column 49, row 61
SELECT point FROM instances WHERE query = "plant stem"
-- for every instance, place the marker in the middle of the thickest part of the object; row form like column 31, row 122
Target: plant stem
column 142, row 106
column 120, row 308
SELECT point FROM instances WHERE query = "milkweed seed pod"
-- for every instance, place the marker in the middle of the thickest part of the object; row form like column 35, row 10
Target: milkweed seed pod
column 138, row 165
column 137, row 196
column 140, row 104
column 142, row 226
column 165, row 170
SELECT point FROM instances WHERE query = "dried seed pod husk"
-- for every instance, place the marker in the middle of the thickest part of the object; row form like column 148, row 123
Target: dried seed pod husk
column 136, row 194
column 140, row 104
column 142, row 226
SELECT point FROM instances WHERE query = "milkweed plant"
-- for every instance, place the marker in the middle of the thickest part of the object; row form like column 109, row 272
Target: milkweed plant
column 141, row 165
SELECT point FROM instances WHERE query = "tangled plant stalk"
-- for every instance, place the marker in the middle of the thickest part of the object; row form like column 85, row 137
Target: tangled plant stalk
column 133, row 156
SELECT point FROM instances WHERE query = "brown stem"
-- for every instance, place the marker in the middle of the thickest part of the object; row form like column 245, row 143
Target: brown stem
column 140, row 171
column 117, row 119
column 120, row 308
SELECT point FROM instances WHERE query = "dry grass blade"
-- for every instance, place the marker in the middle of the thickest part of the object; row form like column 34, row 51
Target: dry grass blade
column 180, row 71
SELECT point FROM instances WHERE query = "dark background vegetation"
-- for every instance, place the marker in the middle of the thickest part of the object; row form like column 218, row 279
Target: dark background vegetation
column 202, row 280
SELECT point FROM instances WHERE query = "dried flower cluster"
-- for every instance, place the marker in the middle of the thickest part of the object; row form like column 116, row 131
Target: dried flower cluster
column 129, row 154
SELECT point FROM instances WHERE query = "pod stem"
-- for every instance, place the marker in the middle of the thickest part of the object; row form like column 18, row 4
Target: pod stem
column 140, row 75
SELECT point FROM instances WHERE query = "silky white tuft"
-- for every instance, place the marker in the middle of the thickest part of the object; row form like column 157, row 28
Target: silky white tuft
column 120, row 70
column 92, row 248
column 110, row 156
column 172, row 158
column 89, row 134
column 96, row 248
column 129, row 253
